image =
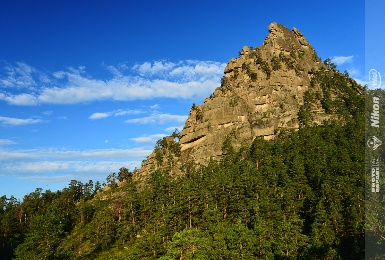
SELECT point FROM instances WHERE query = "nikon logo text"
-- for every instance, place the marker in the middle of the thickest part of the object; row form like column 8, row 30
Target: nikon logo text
column 375, row 115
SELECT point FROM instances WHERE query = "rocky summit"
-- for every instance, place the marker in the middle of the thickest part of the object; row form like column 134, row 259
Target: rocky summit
column 261, row 92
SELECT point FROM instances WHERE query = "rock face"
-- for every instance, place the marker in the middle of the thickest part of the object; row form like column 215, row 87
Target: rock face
column 261, row 91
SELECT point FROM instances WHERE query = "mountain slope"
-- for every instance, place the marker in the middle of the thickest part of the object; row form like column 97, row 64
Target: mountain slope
column 287, row 137
column 261, row 92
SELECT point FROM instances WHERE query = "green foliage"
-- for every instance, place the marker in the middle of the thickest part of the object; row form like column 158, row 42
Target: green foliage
column 315, row 57
column 337, row 93
column 111, row 180
column 257, row 56
column 305, row 115
column 46, row 233
column 235, row 74
column 298, row 69
column 224, row 82
column 168, row 148
column 275, row 63
column 266, row 68
column 293, row 54
column 290, row 63
column 233, row 102
column 330, row 64
column 158, row 156
column 189, row 244
column 301, row 53
column 245, row 66
column 124, row 174
column 199, row 115
column 253, row 75
column 299, row 196
column 227, row 147
column 340, row 95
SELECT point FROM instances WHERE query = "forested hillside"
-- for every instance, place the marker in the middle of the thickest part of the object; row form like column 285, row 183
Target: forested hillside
column 297, row 196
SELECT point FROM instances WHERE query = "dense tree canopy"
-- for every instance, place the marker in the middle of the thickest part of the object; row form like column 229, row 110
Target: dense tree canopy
column 299, row 196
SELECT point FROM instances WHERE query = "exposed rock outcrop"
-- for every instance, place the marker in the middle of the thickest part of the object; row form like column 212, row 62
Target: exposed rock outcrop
column 261, row 91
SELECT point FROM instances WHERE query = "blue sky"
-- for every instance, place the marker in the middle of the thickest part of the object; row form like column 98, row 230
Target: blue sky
column 87, row 87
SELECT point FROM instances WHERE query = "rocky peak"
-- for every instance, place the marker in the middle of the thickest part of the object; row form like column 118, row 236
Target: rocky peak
column 245, row 50
column 282, row 39
column 261, row 92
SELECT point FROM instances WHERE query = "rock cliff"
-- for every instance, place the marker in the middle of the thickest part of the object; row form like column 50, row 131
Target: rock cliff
column 261, row 92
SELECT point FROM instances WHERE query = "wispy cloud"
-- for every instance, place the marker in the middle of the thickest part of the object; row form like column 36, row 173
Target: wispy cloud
column 148, row 138
column 155, row 107
column 47, row 113
column 99, row 115
column 154, row 68
column 158, row 119
column 57, row 154
column 6, row 142
column 11, row 121
column 339, row 60
column 48, row 164
column 148, row 80
column 117, row 71
column 122, row 112
column 23, row 99
column 19, row 75
column 49, row 178
column 64, row 171
column 119, row 112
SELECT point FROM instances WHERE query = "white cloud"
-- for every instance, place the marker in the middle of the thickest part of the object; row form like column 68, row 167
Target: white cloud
column 47, row 113
column 339, row 60
column 6, row 142
column 122, row 112
column 158, row 119
column 149, row 138
column 106, row 166
column 157, row 67
column 56, row 154
column 19, row 75
column 20, row 99
column 183, row 79
column 119, row 112
column 15, row 155
column 99, row 115
column 155, row 107
column 115, row 71
column 49, row 179
column 143, row 68
column 64, row 170
column 38, row 164
column 18, row 121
